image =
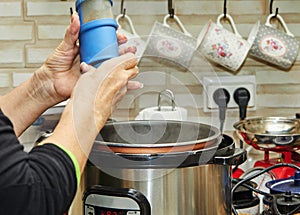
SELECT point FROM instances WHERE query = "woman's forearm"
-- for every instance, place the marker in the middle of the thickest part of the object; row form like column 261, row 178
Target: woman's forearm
column 75, row 134
column 24, row 104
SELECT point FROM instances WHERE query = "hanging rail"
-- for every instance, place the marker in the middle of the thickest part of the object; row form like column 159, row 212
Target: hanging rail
column 271, row 8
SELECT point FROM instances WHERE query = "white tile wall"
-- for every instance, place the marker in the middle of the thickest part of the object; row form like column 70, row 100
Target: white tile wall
column 152, row 78
column 31, row 29
column 19, row 78
column 10, row 9
column 50, row 32
column 213, row 7
column 142, row 7
column 184, row 79
column 277, row 77
column 16, row 31
column 52, row 8
column 279, row 100
column 4, row 80
column 189, row 100
column 287, row 6
column 10, row 55
column 36, row 55
column 149, row 100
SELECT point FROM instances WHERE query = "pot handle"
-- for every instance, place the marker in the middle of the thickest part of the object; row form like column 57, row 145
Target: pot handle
column 238, row 157
column 171, row 96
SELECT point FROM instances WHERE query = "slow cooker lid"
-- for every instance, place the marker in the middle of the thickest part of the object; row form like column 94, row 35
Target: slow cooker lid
column 221, row 154
column 156, row 136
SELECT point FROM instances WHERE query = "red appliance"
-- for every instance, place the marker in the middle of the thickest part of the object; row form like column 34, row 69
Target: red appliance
column 286, row 157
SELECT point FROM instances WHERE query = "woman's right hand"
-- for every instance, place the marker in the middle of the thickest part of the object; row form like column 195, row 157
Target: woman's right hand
column 92, row 101
column 104, row 87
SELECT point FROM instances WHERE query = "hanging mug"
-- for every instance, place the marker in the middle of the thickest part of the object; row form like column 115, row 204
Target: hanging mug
column 222, row 46
column 133, row 38
column 272, row 45
column 168, row 43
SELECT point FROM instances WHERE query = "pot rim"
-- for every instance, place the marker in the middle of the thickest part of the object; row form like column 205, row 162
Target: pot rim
column 128, row 148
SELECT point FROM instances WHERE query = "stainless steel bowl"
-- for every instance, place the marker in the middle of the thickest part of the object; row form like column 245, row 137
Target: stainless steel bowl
column 270, row 133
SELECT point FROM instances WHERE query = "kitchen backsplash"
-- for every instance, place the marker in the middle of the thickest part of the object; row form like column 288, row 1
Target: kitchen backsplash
column 31, row 29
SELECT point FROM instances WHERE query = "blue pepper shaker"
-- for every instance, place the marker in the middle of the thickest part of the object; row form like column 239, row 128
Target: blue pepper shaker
column 97, row 36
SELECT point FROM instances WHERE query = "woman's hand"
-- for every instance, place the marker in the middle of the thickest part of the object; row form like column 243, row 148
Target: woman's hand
column 99, row 90
column 61, row 71
column 94, row 98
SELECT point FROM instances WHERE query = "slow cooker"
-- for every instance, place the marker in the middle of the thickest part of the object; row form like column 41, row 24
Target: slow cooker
column 160, row 167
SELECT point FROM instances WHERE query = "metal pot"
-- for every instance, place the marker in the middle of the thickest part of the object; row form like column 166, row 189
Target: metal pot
column 270, row 133
column 178, row 167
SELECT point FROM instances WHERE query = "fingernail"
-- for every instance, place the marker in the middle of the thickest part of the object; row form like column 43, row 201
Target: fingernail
column 83, row 67
column 141, row 85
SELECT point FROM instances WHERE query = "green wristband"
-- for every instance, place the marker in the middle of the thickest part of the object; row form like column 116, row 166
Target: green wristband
column 75, row 163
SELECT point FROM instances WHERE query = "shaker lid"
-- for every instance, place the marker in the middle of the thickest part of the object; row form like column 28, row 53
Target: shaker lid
column 78, row 2
column 283, row 185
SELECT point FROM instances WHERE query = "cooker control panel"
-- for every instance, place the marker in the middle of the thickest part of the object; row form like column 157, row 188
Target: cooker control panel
column 101, row 200
column 94, row 210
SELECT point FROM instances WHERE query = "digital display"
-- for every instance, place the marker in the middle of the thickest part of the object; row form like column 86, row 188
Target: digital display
column 94, row 210
column 112, row 212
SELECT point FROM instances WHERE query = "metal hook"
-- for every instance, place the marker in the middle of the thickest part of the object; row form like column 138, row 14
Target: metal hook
column 271, row 8
column 225, row 8
column 170, row 8
column 71, row 11
column 123, row 10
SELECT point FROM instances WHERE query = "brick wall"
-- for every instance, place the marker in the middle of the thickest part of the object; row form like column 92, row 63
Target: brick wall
column 31, row 29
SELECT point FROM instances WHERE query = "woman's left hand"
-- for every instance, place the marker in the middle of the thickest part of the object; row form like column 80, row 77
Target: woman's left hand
column 60, row 72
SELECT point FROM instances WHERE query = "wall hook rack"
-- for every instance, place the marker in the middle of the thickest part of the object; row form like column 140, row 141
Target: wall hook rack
column 271, row 8
column 171, row 8
column 225, row 8
column 123, row 10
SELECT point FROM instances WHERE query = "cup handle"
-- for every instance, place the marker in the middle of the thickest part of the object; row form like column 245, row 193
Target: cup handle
column 178, row 22
column 230, row 19
column 281, row 21
column 128, row 19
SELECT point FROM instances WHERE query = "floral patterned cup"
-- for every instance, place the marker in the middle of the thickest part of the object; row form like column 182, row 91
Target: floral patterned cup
column 168, row 43
column 133, row 38
column 272, row 45
column 222, row 46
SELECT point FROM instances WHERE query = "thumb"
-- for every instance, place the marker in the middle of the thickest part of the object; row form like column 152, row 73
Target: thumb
column 72, row 32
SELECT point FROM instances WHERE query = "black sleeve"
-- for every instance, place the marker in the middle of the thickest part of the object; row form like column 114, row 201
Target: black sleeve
column 41, row 182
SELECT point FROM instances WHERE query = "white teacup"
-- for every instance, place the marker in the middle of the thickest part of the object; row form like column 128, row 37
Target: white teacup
column 133, row 38
column 272, row 45
column 222, row 46
column 168, row 43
